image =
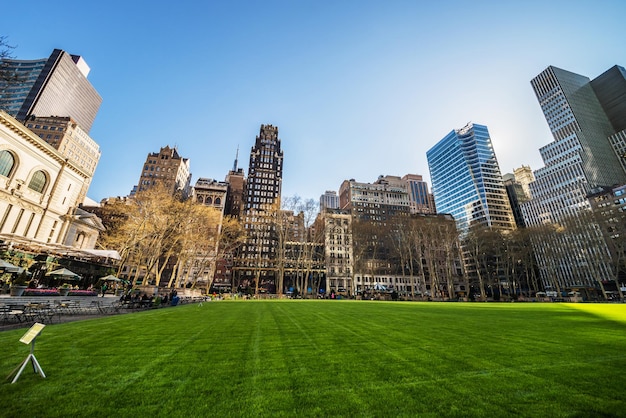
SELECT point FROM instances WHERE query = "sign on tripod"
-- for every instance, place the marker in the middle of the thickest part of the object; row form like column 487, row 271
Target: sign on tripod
column 29, row 338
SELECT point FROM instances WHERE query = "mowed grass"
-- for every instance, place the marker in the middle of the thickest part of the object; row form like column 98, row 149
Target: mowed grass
column 327, row 358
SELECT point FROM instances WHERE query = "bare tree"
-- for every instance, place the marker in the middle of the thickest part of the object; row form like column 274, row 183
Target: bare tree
column 155, row 230
column 9, row 77
column 612, row 223
column 298, row 244
column 474, row 247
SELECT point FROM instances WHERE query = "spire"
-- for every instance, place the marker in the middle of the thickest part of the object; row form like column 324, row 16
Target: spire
column 236, row 158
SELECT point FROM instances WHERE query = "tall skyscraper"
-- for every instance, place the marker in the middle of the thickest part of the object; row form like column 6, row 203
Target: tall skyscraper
column 582, row 115
column 53, row 86
column 588, row 123
column 466, row 179
column 255, row 263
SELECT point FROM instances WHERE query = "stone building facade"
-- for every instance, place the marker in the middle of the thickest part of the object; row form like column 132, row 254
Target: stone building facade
column 166, row 167
column 40, row 190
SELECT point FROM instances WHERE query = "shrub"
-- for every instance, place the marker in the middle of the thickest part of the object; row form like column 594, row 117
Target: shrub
column 82, row 293
column 41, row 292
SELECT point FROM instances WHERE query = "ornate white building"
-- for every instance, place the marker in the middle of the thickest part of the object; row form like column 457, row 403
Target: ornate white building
column 40, row 191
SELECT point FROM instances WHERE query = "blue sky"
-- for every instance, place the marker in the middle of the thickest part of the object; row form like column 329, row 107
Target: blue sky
column 357, row 89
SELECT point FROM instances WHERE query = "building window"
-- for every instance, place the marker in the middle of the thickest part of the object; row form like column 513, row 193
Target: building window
column 38, row 182
column 17, row 222
column 6, row 163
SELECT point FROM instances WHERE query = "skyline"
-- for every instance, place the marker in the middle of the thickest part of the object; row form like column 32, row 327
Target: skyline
column 357, row 89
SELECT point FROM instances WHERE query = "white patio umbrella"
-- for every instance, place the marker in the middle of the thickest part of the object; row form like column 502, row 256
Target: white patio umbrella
column 110, row 278
column 11, row 268
column 65, row 273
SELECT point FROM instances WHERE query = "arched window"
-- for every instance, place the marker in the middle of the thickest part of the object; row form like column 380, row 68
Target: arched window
column 218, row 201
column 6, row 163
column 38, row 182
column 209, row 201
column 80, row 239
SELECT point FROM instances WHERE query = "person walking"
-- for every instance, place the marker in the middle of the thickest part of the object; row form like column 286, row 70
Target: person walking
column 104, row 288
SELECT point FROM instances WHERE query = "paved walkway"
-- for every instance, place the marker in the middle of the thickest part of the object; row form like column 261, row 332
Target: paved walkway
column 59, row 309
column 23, row 311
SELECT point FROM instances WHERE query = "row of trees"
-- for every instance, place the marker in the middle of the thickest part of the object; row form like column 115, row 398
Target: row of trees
column 294, row 258
column 589, row 247
column 583, row 251
column 500, row 262
column 423, row 248
column 155, row 230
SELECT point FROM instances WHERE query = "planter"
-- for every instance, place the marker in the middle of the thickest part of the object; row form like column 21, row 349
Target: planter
column 64, row 291
column 18, row 290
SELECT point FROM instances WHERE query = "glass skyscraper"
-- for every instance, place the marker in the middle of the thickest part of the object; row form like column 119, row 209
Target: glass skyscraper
column 466, row 180
column 587, row 119
column 53, row 86
column 582, row 115
column 22, row 78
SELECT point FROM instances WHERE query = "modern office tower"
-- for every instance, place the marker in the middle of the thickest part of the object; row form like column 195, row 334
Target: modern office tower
column 582, row 115
column 378, row 202
column 236, row 190
column 420, row 199
column 64, row 134
column 21, row 77
column 53, row 86
column 466, row 180
column 618, row 142
column 166, row 167
column 255, row 263
column 610, row 88
column 329, row 200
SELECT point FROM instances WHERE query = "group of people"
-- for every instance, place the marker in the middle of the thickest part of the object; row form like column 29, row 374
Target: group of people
column 144, row 300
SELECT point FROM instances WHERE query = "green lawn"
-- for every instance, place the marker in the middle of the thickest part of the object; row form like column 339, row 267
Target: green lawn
column 327, row 358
